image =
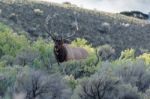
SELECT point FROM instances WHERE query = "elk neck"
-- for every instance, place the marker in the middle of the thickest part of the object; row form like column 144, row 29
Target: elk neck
column 61, row 54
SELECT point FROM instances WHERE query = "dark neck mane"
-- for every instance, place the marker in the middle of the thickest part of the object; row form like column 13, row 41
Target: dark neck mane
column 62, row 54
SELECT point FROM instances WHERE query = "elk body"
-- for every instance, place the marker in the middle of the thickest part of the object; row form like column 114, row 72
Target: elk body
column 65, row 52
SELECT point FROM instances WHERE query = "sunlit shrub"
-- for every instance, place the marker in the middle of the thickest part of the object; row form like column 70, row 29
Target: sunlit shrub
column 128, row 54
column 71, row 81
column 46, row 57
column 11, row 43
column 3, row 63
column 83, row 43
column 145, row 57
column 4, row 28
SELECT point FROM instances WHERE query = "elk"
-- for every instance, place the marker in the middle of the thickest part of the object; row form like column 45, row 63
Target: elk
column 63, row 51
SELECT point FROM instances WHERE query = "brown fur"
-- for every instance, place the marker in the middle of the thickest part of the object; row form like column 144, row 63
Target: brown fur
column 66, row 52
column 75, row 53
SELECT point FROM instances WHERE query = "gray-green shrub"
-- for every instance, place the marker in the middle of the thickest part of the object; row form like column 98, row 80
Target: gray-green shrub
column 37, row 84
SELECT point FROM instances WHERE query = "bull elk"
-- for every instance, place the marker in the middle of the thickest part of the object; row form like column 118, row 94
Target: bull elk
column 62, row 51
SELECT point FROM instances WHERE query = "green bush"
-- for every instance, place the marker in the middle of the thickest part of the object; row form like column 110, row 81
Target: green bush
column 37, row 84
column 71, row 81
column 104, row 87
column 26, row 57
column 46, row 56
column 7, row 79
column 127, row 81
column 83, row 43
column 145, row 57
column 7, row 59
column 11, row 43
column 128, row 54
column 79, row 68
column 134, row 73
column 20, row 61
column 106, row 52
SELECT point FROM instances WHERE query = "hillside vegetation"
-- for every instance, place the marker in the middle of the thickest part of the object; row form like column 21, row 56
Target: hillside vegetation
column 29, row 70
column 99, row 28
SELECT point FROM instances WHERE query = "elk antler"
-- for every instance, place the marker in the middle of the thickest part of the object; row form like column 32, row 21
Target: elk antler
column 57, row 20
column 75, row 25
column 46, row 27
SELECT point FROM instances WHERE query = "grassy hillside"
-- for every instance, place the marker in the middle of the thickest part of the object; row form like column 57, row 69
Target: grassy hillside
column 99, row 28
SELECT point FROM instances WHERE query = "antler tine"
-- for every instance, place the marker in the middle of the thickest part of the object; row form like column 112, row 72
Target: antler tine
column 76, row 29
column 46, row 27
